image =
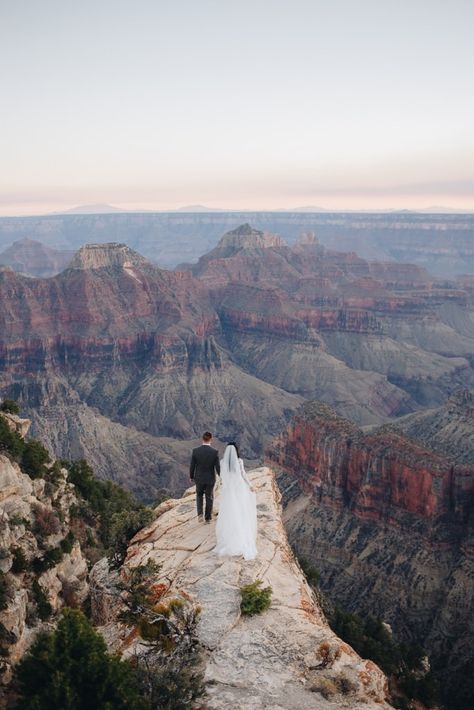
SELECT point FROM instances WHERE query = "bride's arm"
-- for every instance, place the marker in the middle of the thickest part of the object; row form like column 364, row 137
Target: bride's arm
column 244, row 475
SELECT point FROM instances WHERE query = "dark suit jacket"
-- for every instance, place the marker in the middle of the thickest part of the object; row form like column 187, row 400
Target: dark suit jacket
column 204, row 464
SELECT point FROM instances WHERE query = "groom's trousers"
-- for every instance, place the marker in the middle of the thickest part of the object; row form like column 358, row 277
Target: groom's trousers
column 205, row 489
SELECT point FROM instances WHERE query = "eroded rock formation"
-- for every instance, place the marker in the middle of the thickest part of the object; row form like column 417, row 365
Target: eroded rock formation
column 387, row 523
column 233, row 343
column 34, row 517
column 267, row 661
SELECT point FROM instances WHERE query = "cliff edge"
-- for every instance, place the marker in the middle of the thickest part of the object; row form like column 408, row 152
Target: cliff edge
column 281, row 659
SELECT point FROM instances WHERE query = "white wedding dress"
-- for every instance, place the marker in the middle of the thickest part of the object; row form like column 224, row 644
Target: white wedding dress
column 236, row 529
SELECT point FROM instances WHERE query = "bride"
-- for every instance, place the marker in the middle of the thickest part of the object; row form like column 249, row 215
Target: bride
column 236, row 528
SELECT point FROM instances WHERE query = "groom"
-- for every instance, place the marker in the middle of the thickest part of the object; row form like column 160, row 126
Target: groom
column 204, row 466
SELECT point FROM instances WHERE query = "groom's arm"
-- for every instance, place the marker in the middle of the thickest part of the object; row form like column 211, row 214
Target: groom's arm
column 192, row 466
column 217, row 464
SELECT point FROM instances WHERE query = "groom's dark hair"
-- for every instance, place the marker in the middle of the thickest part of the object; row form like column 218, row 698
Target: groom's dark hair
column 207, row 436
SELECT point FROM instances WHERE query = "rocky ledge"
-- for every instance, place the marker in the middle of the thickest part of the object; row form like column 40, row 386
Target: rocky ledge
column 274, row 660
column 35, row 519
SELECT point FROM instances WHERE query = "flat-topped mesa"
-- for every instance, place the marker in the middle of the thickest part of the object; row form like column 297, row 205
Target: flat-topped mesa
column 100, row 256
column 246, row 237
column 271, row 660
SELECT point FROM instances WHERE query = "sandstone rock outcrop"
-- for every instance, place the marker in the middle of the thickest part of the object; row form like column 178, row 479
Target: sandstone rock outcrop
column 35, row 519
column 389, row 526
column 267, row 661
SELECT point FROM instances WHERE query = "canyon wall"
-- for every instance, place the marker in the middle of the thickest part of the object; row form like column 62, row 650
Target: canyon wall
column 388, row 524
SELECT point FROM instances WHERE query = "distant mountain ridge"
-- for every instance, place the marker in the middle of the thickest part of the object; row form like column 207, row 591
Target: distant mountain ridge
column 441, row 243
column 98, row 208
column 33, row 258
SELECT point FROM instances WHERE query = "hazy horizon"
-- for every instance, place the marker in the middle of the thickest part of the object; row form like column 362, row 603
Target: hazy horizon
column 263, row 105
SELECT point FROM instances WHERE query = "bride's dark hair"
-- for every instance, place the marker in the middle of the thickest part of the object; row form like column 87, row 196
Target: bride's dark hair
column 232, row 443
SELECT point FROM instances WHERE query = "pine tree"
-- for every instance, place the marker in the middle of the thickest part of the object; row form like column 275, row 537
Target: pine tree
column 71, row 669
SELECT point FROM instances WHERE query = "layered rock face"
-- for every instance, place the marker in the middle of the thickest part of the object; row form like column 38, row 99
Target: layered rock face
column 115, row 342
column 442, row 243
column 233, row 344
column 373, row 339
column 387, row 523
column 34, row 517
column 266, row 661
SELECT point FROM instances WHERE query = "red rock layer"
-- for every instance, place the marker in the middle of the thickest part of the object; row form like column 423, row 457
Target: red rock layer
column 379, row 476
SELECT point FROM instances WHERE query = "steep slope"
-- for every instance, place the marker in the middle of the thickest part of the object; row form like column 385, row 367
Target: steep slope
column 373, row 339
column 41, row 567
column 234, row 344
column 389, row 526
column 267, row 661
column 139, row 345
column 448, row 429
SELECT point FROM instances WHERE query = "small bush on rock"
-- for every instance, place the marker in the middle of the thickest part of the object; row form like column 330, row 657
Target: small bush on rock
column 255, row 600
column 327, row 654
column 169, row 671
column 345, row 685
column 10, row 441
column 325, row 686
column 34, row 458
column 9, row 406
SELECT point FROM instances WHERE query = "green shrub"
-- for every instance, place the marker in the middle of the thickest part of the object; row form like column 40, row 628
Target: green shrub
column 10, row 406
column 116, row 512
column 170, row 671
column 71, row 669
column 20, row 563
column 255, row 600
column 123, row 526
column 42, row 604
column 34, row 458
column 67, row 543
column 50, row 558
column 10, row 441
column 310, row 572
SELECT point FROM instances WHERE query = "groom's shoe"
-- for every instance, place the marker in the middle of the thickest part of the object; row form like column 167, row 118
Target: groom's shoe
column 200, row 518
column 207, row 521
